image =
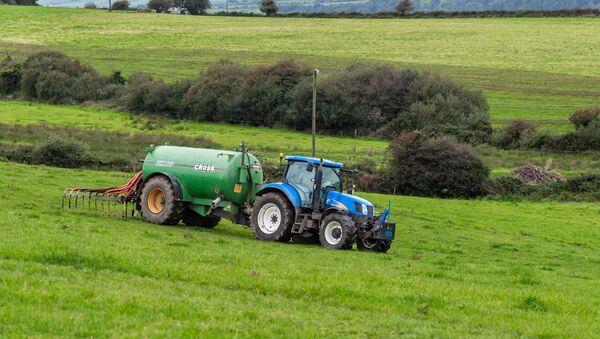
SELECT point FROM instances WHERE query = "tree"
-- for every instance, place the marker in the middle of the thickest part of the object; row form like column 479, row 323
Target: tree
column 160, row 6
column 89, row 5
column 196, row 7
column 269, row 7
column 120, row 5
column 404, row 6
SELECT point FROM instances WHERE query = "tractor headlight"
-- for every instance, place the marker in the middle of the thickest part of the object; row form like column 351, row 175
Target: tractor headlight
column 361, row 208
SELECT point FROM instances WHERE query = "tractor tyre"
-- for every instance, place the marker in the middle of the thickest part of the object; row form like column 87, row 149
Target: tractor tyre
column 376, row 245
column 306, row 238
column 158, row 202
column 272, row 218
column 191, row 218
column 337, row 232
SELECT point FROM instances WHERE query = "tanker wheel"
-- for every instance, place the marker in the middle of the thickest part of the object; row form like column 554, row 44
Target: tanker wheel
column 158, row 202
column 191, row 218
column 306, row 238
column 370, row 244
column 272, row 218
column 337, row 232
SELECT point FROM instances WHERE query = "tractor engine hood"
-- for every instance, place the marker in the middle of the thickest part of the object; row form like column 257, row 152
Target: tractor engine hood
column 353, row 204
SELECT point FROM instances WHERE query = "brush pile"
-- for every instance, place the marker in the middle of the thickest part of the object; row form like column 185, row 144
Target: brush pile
column 536, row 175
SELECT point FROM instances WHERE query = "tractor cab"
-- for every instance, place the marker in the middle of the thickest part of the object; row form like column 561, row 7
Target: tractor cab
column 309, row 205
column 319, row 184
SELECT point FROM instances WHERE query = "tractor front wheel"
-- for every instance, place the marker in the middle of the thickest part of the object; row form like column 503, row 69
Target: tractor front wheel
column 337, row 232
column 158, row 202
column 272, row 218
column 191, row 218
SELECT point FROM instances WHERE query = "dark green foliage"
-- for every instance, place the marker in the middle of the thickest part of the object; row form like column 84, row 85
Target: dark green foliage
column 584, row 117
column 440, row 106
column 515, row 134
column 194, row 7
column 57, row 78
column 120, row 5
column 146, row 95
column 159, row 6
column 434, row 167
column 10, row 76
column 61, row 152
column 215, row 94
column 269, row 7
column 89, row 5
column 265, row 94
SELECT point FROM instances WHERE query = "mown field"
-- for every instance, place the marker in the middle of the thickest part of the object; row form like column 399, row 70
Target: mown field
column 538, row 69
column 457, row 268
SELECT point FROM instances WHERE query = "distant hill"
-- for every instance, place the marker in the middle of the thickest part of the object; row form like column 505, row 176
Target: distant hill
column 367, row 6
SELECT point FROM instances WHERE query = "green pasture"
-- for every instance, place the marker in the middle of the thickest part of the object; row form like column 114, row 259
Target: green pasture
column 458, row 268
column 530, row 68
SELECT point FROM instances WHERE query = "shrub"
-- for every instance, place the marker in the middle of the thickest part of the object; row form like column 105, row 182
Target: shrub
column 215, row 94
column 146, row 95
column 269, row 7
column 440, row 106
column 62, row 153
column 159, row 6
column 89, row 5
column 10, row 76
column 265, row 94
column 359, row 99
column 120, row 5
column 582, row 118
column 195, row 7
column 434, row 167
column 515, row 134
column 43, row 63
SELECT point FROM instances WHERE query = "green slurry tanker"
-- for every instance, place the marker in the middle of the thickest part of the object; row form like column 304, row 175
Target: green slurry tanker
column 202, row 186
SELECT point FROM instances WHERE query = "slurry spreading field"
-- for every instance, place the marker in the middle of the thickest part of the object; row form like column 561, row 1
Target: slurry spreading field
column 538, row 69
column 457, row 268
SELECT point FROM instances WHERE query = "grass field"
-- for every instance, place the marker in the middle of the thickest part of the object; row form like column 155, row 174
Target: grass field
column 539, row 69
column 457, row 268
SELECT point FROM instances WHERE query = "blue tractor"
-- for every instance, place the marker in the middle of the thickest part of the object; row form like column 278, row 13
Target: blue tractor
column 310, row 206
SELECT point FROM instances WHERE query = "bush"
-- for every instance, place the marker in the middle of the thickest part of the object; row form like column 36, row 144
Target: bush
column 440, row 106
column 265, row 94
column 515, row 134
column 120, row 5
column 62, row 153
column 146, row 95
column 10, row 76
column 215, row 94
column 38, row 68
column 159, row 6
column 434, row 167
column 89, row 5
column 269, row 7
column 582, row 118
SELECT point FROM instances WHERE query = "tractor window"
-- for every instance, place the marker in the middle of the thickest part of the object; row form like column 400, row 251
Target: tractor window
column 331, row 179
column 298, row 175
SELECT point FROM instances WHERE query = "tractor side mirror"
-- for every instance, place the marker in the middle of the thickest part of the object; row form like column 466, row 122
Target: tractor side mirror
column 351, row 190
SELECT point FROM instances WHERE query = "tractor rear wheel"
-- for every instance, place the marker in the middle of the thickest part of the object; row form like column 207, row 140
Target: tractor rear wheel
column 158, row 202
column 337, row 232
column 376, row 245
column 272, row 218
column 191, row 218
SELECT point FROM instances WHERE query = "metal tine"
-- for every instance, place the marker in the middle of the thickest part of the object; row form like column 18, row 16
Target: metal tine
column 70, row 199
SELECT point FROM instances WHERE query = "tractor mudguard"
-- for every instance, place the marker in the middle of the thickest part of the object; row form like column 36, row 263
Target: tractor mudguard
column 289, row 191
column 177, row 189
column 334, row 209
